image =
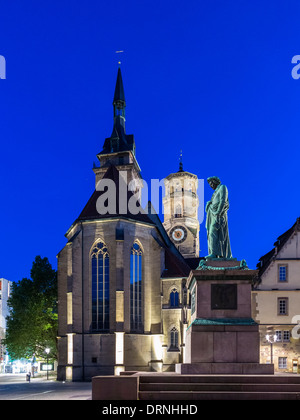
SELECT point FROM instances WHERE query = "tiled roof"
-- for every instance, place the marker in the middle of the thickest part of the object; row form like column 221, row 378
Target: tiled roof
column 90, row 211
column 175, row 265
column 266, row 259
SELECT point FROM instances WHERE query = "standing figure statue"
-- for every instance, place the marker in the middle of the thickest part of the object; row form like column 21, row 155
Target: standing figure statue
column 216, row 221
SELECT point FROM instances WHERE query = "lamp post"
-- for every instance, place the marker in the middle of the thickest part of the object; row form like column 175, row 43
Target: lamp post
column 271, row 338
column 47, row 350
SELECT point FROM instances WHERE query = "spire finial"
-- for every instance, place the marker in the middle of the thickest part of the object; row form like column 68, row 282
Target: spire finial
column 180, row 162
column 119, row 52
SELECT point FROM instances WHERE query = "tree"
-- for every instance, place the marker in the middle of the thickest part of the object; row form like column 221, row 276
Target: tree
column 32, row 322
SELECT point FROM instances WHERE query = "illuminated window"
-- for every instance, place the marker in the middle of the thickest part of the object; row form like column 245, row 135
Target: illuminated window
column 282, row 273
column 193, row 301
column 282, row 362
column 136, row 260
column 174, row 298
column 282, row 306
column 100, row 287
column 69, row 308
column 283, row 335
column 173, row 339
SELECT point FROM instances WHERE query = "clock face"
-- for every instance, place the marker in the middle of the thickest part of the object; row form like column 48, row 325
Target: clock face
column 178, row 234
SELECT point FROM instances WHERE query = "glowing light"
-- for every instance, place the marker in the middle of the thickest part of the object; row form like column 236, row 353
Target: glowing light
column 119, row 369
column 70, row 349
column 119, row 348
column 69, row 373
column 157, row 347
column 69, row 309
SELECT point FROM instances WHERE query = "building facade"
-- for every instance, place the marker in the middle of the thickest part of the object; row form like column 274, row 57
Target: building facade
column 122, row 300
column 5, row 288
column 276, row 302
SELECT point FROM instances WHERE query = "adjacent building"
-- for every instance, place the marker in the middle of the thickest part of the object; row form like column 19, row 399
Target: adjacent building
column 5, row 288
column 276, row 302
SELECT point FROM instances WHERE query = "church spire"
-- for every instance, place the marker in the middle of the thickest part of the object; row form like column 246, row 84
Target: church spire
column 119, row 102
column 119, row 141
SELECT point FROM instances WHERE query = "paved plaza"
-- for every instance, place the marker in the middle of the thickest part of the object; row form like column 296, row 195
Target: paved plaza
column 15, row 387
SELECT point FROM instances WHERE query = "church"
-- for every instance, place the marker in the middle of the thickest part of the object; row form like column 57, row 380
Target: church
column 123, row 304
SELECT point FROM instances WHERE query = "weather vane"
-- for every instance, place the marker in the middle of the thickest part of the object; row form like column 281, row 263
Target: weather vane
column 119, row 52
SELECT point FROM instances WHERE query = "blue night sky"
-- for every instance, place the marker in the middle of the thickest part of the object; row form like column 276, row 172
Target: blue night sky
column 212, row 78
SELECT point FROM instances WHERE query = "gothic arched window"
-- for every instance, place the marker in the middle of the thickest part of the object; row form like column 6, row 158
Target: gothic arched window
column 174, row 298
column 173, row 339
column 100, row 287
column 136, row 261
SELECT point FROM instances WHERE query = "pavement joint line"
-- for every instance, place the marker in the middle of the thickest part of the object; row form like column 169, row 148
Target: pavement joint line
column 30, row 395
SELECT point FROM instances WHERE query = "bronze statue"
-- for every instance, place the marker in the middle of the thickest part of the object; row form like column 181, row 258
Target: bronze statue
column 216, row 221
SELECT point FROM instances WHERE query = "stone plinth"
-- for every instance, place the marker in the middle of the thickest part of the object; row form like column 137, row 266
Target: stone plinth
column 222, row 341
column 222, row 337
column 115, row 387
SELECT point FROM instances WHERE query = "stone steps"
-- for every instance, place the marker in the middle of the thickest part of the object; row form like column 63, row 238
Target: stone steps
column 219, row 387
column 223, row 395
column 231, row 387
column 175, row 378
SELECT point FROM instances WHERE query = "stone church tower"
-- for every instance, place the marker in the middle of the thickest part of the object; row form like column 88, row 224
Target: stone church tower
column 122, row 300
column 181, row 211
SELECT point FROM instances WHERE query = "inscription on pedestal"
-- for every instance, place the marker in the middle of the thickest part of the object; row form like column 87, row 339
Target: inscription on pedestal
column 223, row 296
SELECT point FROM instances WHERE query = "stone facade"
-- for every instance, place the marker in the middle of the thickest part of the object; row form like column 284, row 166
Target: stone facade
column 181, row 212
column 122, row 301
column 75, row 280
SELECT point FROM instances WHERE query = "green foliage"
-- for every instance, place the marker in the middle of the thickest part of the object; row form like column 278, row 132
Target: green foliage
column 32, row 323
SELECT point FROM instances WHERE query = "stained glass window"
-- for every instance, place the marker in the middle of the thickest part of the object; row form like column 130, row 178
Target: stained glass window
column 136, row 261
column 173, row 339
column 174, row 298
column 100, row 287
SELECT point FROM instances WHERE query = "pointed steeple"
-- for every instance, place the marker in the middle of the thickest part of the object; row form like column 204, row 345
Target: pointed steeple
column 119, row 102
column 119, row 141
column 119, row 89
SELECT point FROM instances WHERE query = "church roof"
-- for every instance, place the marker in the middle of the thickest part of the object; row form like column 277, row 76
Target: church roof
column 90, row 211
column 119, row 141
column 175, row 265
column 193, row 262
column 266, row 259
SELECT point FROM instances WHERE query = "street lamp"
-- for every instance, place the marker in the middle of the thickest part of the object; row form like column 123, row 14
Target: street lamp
column 47, row 350
column 271, row 338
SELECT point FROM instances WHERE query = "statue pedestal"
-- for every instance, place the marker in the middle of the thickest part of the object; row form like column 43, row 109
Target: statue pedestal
column 222, row 338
